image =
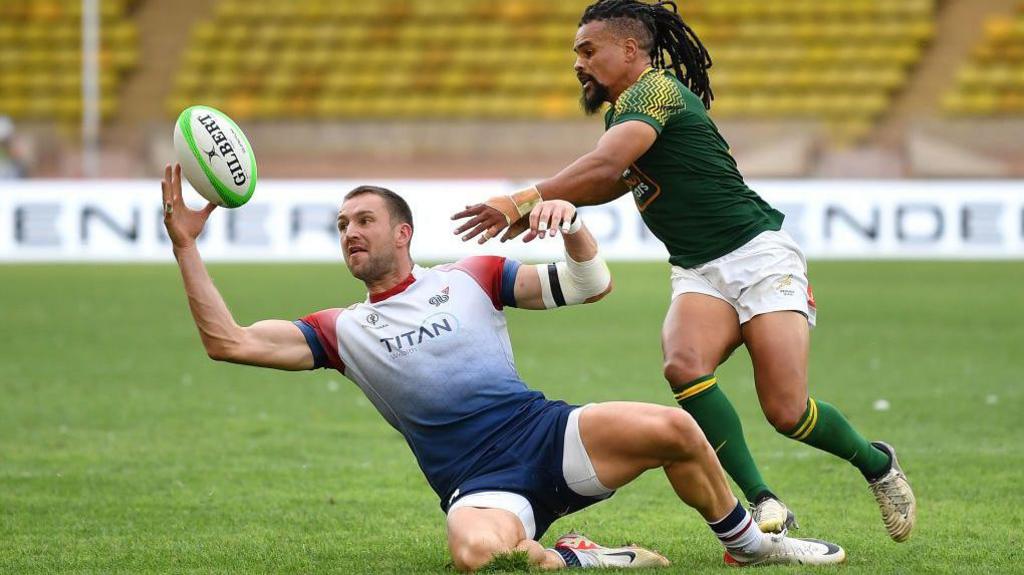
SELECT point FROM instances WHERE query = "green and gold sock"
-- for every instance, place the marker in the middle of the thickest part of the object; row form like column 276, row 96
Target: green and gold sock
column 708, row 405
column 824, row 427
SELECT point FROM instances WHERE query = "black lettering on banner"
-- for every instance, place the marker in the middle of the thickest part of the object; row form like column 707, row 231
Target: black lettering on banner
column 246, row 227
column 89, row 213
column 979, row 223
column 643, row 232
column 314, row 217
column 793, row 224
column 161, row 230
column 35, row 224
column 869, row 231
column 593, row 215
column 903, row 211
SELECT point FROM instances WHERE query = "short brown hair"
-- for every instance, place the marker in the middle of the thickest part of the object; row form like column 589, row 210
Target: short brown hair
column 398, row 208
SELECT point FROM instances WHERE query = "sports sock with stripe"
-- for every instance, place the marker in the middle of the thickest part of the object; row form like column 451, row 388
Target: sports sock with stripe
column 738, row 532
column 574, row 559
column 708, row 405
column 824, row 427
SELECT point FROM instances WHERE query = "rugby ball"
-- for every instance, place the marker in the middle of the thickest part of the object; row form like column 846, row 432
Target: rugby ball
column 215, row 156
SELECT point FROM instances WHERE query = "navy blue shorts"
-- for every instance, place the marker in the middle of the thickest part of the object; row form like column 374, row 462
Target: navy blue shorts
column 529, row 463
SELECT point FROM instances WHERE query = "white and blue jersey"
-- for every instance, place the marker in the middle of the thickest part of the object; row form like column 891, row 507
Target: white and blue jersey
column 433, row 356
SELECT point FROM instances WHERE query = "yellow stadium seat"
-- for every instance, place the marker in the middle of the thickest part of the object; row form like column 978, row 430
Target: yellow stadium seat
column 840, row 61
column 991, row 82
column 40, row 57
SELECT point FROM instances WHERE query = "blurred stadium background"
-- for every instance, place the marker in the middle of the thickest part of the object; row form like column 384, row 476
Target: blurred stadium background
column 856, row 88
column 883, row 128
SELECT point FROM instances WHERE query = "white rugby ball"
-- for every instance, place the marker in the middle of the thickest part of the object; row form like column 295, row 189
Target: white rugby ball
column 215, row 156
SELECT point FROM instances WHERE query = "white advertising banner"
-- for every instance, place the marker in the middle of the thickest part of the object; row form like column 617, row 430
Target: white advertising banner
column 295, row 221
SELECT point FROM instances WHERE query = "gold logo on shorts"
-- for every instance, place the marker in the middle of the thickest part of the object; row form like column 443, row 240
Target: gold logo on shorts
column 785, row 285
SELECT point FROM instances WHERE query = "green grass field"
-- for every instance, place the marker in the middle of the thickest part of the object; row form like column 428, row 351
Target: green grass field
column 123, row 449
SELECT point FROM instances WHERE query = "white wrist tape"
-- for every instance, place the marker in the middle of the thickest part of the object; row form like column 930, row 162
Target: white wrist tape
column 574, row 225
column 571, row 282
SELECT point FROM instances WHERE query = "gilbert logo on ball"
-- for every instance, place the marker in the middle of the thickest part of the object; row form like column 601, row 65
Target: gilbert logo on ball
column 215, row 156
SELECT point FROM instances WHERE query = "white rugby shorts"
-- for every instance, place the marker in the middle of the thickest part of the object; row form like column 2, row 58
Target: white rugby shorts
column 766, row 274
column 576, row 467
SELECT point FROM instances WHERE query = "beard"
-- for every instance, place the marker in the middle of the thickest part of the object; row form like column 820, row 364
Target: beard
column 592, row 101
column 375, row 267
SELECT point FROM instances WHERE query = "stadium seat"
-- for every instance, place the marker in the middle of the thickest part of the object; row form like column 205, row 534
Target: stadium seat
column 839, row 62
column 991, row 82
column 41, row 59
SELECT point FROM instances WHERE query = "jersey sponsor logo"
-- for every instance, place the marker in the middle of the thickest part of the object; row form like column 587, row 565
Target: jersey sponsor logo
column 440, row 298
column 374, row 321
column 643, row 188
column 433, row 328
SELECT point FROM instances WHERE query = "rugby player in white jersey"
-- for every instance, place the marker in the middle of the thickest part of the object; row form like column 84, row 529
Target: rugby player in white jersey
column 430, row 349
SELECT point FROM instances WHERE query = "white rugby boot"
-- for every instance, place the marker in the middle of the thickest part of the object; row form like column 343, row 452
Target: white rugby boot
column 590, row 554
column 772, row 516
column 782, row 550
column 895, row 498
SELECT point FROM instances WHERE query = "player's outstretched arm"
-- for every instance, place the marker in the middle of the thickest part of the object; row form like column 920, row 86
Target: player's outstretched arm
column 583, row 277
column 272, row 343
column 594, row 178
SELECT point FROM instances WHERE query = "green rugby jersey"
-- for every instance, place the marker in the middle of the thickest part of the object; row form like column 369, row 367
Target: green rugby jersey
column 686, row 186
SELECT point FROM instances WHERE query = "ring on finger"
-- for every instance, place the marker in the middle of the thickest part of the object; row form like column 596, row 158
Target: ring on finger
column 168, row 208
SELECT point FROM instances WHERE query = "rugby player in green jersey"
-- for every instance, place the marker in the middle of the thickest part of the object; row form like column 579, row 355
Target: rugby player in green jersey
column 737, row 278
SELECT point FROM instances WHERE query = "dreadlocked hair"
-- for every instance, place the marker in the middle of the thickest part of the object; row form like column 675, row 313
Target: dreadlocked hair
column 671, row 43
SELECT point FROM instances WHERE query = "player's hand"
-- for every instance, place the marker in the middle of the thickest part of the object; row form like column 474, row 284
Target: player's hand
column 518, row 227
column 483, row 219
column 549, row 217
column 183, row 225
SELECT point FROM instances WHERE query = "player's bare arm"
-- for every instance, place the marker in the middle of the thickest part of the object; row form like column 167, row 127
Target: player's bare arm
column 271, row 343
column 594, row 178
column 582, row 278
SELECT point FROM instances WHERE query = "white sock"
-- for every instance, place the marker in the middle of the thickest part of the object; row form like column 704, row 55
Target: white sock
column 738, row 533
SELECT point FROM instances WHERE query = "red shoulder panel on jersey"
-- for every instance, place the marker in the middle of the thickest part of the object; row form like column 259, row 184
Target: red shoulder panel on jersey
column 487, row 272
column 324, row 324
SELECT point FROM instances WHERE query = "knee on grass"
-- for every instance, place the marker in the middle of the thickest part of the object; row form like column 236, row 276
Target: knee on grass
column 471, row 551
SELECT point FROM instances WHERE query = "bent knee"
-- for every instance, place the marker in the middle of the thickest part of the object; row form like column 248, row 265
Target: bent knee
column 785, row 416
column 679, row 434
column 683, row 367
column 471, row 551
